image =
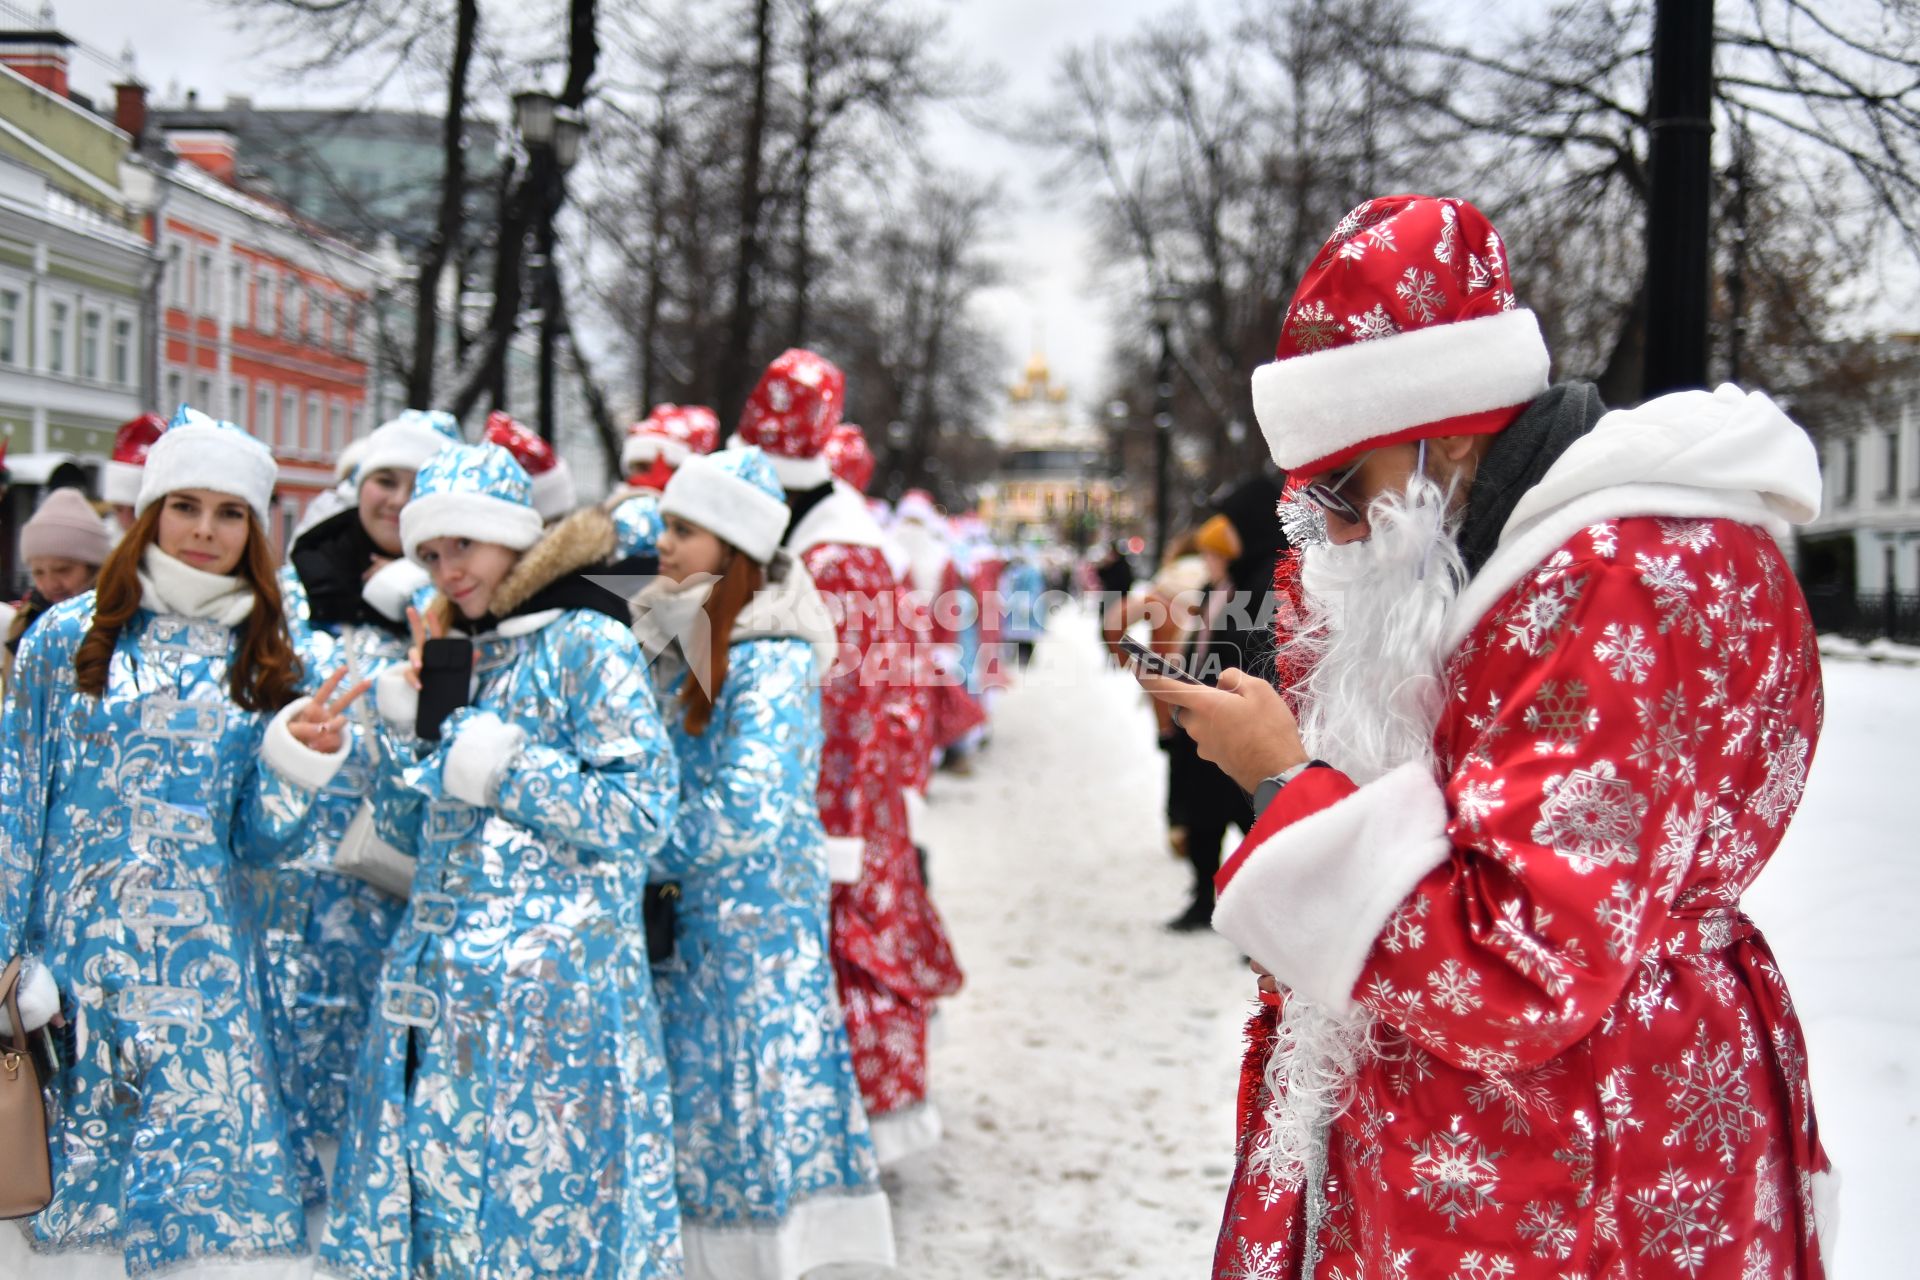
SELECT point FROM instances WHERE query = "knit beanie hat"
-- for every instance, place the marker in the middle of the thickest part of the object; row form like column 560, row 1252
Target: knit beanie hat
column 735, row 495
column 200, row 452
column 406, row 442
column 793, row 409
column 65, row 526
column 470, row 491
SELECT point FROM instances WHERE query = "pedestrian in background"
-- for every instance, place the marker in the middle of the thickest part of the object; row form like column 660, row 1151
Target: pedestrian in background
column 63, row 546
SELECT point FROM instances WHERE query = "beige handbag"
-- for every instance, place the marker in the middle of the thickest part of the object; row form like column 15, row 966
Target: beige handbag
column 26, row 1175
column 363, row 855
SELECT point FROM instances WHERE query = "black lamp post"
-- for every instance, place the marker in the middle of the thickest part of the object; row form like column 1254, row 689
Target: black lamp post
column 1680, row 167
column 1166, row 309
column 552, row 135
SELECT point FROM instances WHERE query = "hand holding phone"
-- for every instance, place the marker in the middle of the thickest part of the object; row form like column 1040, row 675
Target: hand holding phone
column 1144, row 661
column 446, row 676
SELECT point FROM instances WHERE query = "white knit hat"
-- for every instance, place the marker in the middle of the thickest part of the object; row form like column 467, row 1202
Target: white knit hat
column 734, row 495
column 199, row 452
column 406, row 442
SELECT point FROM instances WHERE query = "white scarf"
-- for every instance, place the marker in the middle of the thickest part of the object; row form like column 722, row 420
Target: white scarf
column 168, row 585
column 669, row 615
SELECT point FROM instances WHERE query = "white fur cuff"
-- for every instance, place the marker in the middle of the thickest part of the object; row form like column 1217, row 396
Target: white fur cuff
column 392, row 589
column 294, row 760
column 39, row 999
column 1308, row 903
column 395, row 698
column 479, row 755
column 846, row 857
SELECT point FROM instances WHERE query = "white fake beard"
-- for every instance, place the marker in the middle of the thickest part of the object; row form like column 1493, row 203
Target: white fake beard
column 1373, row 642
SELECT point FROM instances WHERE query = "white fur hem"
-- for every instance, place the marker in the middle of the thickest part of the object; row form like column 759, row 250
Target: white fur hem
column 842, row 517
column 640, row 450
column 846, row 856
column 1308, row 903
column 729, row 506
column 818, row 1231
column 39, row 999
column 293, row 759
column 1312, row 406
column 906, row 1132
column 392, row 589
column 395, row 698
column 1521, row 550
column 916, row 815
column 19, row 1261
column 481, row 752
column 479, row 516
column 801, row 473
column 553, row 494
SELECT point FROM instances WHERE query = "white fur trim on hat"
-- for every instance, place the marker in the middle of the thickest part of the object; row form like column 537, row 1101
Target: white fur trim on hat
column 120, row 483
column 403, row 444
column 727, row 506
column 553, row 494
column 1318, row 405
column 197, row 455
column 479, row 516
column 801, row 473
column 640, row 451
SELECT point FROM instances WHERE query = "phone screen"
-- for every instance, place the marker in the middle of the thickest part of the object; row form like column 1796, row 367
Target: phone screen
column 1144, row 661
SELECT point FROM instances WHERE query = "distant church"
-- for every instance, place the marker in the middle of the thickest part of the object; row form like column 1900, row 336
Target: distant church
column 1056, row 479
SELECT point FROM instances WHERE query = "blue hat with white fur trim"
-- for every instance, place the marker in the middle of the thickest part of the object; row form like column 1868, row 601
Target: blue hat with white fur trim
column 200, row 452
column 406, row 442
column 735, row 495
column 470, row 491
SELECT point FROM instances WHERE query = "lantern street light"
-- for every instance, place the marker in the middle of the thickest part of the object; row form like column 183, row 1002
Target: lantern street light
column 552, row 135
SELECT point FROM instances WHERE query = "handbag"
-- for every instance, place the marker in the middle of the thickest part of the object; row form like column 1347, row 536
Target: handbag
column 660, row 913
column 363, row 855
column 26, row 1175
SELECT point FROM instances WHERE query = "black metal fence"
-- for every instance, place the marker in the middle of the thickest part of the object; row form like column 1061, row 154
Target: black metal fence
column 1892, row 615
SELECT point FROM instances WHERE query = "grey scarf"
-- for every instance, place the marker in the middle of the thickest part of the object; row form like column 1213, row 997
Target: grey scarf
column 1517, row 459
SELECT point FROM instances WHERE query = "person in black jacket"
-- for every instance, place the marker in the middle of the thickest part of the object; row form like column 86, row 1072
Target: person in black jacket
column 1244, row 533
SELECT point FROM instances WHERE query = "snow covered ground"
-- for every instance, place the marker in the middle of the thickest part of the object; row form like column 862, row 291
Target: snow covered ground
column 1087, row 1072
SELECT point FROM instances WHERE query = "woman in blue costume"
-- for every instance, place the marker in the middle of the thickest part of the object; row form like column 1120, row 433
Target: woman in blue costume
column 153, row 739
column 514, row 1116
column 347, row 588
column 777, row 1172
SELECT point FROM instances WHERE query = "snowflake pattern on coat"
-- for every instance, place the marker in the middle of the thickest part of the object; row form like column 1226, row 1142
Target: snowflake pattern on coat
column 1588, row 1063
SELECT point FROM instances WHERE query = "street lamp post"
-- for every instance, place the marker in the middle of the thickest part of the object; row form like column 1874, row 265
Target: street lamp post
column 552, row 135
column 1165, row 309
column 1680, row 190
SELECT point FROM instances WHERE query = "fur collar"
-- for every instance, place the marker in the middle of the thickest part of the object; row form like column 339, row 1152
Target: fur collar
column 582, row 540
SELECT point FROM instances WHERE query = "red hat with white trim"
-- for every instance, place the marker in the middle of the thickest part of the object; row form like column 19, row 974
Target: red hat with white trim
column 553, row 494
column 1404, row 328
column 670, row 434
column 849, row 457
column 790, row 414
column 120, row 477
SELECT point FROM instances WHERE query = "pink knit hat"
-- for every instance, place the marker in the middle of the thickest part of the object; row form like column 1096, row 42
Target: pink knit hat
column 65, row 525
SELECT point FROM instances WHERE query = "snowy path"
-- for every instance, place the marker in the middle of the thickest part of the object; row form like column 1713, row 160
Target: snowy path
column 1087, row 1072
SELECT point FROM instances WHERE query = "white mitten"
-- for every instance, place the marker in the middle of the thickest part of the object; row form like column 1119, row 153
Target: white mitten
column 39, row 999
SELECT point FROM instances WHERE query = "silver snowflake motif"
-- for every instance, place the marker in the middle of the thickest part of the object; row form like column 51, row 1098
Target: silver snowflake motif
column 1769, row 1193
column 1578, row 1158
column 1505, row 299
column 1733, row 608
column 1694, row 535
column 1454, row 986
column 1711, row 1096
column 1478, row 277
column 1314, row 328
column 1420, row 290
column 1520, row 1094
column 1592, row 818
column 1253, row 1260
column 1758, row 1263
column 1786, row 778
column 1496, row 253
column 1544, row 1224
column 1606, row 539
column 1356, row 220
column 1380, row 235
column 1561, row 717
column 1449, row 234
column 1454, row 1174
column 1624, row 648
column 1650, row 995
column 1681, row 830
column 1672, row 595
column 1539, row 615
column 1528, row 952
column 1620, row 914
column 1404, row 932
column 1666, row 740
column 1616, row 1104
column 1475, row 1265
column 1679, row 1218
column 1478, row 800
column 1373, row 324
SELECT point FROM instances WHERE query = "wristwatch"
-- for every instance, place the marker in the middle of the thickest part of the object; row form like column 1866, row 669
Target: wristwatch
column 1269, row 787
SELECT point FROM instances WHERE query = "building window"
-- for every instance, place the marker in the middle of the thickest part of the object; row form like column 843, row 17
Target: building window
column 316, row 425
column 176, row 391
column 1849, row 469
column 203, row 396
column 1891, row 488
column 336, row 428
column 237, row 292
column 58, row 320
column 288, row 319
column 90, row 331
column 263, row 413
column 203, row 284
column 9, row 326
column 176, row 276
column 262, row 314
column 1887, row 568
column 123, row 352
column 237, row 401
column 290, row 421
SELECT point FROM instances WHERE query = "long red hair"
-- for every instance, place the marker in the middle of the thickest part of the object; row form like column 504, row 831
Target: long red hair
column 265, row 673
column 737, row 585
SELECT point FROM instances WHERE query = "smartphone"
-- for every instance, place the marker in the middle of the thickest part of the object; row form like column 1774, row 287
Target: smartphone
column 446, row 680
column 1144, row 661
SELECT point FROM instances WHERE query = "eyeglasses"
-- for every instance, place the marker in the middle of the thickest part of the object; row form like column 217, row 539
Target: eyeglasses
column 1327, row 496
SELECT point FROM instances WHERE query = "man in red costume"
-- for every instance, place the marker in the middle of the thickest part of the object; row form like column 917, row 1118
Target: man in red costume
column 1560, row 697
column 890, row 952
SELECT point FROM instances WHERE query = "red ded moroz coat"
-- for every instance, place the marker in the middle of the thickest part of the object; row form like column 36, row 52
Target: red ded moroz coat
column 1589, row 1064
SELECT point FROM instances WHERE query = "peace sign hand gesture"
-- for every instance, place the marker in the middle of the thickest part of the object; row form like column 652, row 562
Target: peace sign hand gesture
column 431, row 627
column 322, row 724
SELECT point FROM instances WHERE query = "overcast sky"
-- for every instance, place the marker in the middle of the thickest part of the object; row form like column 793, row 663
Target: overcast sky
column 1053, row 296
